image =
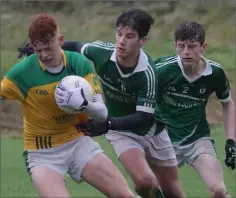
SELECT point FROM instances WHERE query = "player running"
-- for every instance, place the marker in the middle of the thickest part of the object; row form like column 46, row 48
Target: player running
column 185, row 83
column 52, row 144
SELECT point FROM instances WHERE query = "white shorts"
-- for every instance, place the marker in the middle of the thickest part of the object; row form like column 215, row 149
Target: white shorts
column 188, row 153
column 157, row 149
column 68, row 158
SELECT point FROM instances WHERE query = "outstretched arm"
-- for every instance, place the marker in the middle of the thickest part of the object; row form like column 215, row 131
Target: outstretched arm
column 130, row 122
column 142, row 118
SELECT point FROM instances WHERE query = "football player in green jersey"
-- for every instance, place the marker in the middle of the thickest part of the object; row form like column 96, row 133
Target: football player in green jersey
column 127, row 76
column 53, row 145
column 185, row 83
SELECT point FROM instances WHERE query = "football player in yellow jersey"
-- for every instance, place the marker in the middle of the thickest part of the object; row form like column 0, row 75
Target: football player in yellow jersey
column 52, row 144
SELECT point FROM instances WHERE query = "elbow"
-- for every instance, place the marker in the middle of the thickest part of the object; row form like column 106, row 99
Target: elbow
column 103, row 114
column 228, row 108
column 228, row 105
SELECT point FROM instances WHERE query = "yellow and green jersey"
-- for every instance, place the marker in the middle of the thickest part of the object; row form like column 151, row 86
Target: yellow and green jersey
column 181, row 101
column 45, row 124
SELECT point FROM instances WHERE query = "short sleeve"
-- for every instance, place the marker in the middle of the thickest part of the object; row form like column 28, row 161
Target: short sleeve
column 10, row 90
column 147, row 91
column 222, row 88
column 98, row 52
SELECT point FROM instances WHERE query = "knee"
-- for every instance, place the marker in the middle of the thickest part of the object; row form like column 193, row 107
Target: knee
column 145, row 181
column 219, row 191
column 172, row 188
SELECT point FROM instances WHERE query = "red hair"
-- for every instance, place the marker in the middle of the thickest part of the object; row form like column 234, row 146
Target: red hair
column 43, row 27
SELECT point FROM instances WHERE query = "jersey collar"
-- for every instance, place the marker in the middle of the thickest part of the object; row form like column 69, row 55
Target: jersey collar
column 141, row 66
column 206, row 72
column 64, row 61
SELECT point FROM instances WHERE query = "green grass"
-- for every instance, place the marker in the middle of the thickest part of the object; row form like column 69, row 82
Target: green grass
column 15, row 181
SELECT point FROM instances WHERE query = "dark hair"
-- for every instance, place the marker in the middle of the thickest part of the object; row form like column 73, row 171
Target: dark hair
column 190, row 30
column 42, row 28
column 137, row 19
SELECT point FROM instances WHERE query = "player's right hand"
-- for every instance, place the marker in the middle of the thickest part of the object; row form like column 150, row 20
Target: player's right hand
column 25, row 50
column 230, row 153
column 73, row 97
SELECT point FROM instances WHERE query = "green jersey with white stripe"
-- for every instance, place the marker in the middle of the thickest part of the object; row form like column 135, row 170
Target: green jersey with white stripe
column 126, row 90
column 182, row 101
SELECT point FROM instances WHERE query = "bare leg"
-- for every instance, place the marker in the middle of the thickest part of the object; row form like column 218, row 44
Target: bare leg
column 169, row 180
column 136, row 165
column 49, row 183
column 210, row 170
column 101, row 173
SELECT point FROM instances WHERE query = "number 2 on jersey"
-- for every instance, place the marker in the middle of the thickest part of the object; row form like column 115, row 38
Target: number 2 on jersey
column 185, row 90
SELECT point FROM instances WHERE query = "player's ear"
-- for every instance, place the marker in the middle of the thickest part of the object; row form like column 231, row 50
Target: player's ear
column 204, row 47
column 61, row 39
column 143, row 40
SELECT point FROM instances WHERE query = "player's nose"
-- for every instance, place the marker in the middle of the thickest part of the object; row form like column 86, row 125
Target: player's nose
column 44, row 54
column 122, row 40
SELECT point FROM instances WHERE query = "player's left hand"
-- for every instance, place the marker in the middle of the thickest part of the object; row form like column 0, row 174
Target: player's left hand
column 73, row 98
column 230, row 153
column 94, row 128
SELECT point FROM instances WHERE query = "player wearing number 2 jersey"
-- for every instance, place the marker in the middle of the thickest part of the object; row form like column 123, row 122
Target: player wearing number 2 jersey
column 185, row 83
column 188, row 98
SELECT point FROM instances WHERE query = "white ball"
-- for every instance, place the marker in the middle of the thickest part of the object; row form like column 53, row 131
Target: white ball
column 73, row 81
